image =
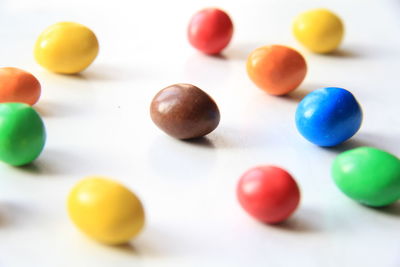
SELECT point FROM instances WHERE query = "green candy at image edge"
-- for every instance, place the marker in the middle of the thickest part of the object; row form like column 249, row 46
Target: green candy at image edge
column 368, row 175
column 22, row 134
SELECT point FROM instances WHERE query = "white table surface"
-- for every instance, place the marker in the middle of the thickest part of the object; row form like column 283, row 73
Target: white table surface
column 98, row 123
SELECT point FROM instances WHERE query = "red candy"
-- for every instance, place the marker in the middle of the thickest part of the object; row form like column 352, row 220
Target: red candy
column 268, row 193
column 210, row 30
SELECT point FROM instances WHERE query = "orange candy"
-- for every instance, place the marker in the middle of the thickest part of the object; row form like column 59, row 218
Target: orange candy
column 17, row 85
column 276, row 69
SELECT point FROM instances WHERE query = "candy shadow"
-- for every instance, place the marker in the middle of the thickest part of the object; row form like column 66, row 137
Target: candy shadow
column 4, row 219
column 148, row 245
column 347, row 145
column 294, row 225
column 223, row 138
column 297, row 95
column 200, row 141
column 127, row 248
column 60, row 77
column 384, row 142
column 78, row 76
column 32, row 168
column 300, row 222
column 393, row 209
column 57, row 162
column 343, row 53
column 99, row 72
column 103, row 73
column 12, row 214
column 213, row 140
column 302, row 91
column 219, row 56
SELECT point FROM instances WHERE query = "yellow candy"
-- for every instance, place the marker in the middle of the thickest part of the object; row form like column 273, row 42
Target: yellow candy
column 319, row 30
column 66, row 47
column 105, row 210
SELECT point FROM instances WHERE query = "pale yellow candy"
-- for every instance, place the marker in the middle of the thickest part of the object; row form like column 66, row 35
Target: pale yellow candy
column 66, row 47
column 105, row 210
column 319, row 30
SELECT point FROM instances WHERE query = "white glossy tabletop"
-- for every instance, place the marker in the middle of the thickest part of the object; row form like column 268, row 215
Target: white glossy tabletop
column 98, row 123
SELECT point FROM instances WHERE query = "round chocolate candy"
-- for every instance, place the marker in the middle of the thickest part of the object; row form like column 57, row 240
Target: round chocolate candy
column 184, row 111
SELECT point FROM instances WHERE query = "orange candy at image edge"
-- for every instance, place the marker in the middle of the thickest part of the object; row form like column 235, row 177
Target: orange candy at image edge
column 276, row 69
column 17, row 85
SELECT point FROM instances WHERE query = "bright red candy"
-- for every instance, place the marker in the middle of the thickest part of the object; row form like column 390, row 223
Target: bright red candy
column 268, row 193
column 210, row 30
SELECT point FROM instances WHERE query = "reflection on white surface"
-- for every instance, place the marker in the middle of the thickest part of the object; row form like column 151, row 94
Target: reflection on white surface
column 98, row 122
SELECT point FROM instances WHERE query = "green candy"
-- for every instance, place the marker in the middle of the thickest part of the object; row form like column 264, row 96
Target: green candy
column 22, row 134
column 368, row 175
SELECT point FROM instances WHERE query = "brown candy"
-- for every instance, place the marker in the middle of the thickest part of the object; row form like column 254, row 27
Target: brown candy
column 184, row 111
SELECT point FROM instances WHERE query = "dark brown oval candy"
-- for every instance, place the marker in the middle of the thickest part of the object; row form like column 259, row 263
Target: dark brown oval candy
column 184, row 111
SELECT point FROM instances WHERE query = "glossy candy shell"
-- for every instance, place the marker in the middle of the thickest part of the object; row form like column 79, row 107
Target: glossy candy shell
column 184, row 111
column 276, row 69
column 66, row 48
column 17, row 85
column 268, row 193
column 328, row 116
column 368, row 175
column 319, row 30
column 22, row 134
column 210, row 30
column 105, row 210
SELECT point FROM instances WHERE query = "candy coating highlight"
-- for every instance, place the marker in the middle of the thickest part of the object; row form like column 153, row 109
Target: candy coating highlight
column 184, row 111
column 17, row 85
column 66, row 48
column 268, row 193
column 22, row 134
column 319, row 30
column 210, row 30
column 368, row 175
column 328, row 116
column 105, row 210
column 276, row 69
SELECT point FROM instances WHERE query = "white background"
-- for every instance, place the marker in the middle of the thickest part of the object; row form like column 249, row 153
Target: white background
column 98, row 123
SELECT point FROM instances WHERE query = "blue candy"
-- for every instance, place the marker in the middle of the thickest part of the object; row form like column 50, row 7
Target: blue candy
column 328, row 116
